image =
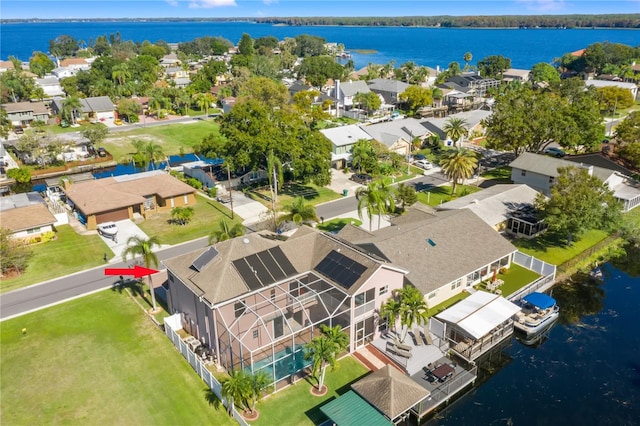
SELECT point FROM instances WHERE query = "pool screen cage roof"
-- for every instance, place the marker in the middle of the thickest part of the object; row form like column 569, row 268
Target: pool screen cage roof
column 303, row 302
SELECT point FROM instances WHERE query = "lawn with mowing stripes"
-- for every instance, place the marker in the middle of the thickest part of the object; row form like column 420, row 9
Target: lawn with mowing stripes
column 97, row 360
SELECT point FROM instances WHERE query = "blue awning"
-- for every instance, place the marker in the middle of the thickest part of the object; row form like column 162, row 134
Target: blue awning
column 541, row 300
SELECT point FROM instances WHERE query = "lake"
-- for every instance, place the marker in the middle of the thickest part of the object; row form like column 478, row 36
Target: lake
column 585, row 373
column 424, row 46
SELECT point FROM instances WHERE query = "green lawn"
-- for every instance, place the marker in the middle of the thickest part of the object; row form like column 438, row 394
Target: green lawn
column 207, row 214
column 313, row 194
column 441, row 194
column 334, row 225
column 444, row 305
column 552, row 248
column 296, row 406
column 501, row 174
column 516, row 278
column 97, row 361
column 170, row 137
column 69, row 253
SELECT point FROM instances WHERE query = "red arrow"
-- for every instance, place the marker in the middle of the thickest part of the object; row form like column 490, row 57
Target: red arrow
column 137, row 271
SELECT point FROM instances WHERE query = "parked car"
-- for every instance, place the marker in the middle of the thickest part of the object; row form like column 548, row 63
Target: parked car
column 361, row 178
column 423, row 164
column 108, row 230
column 18, row 130
column 102, row 152
column 554, row 151
column 419, row 157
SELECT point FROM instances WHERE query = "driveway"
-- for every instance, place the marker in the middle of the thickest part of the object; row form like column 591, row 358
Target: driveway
column 340, row 181
column 126, row 230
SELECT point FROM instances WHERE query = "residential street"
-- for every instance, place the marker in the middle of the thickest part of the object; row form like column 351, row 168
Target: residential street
column 58, row 290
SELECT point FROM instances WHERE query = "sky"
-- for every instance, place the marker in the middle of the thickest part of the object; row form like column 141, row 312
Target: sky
column 74, row 9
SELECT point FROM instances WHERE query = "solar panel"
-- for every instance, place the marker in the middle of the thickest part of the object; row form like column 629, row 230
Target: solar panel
column 206, row 257
column 261, row 271
column 271, row 265
column 282, row 261
column 247, row 274
column 340, row 269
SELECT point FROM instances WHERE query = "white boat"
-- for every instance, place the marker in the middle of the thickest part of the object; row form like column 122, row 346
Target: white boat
column 538, row 311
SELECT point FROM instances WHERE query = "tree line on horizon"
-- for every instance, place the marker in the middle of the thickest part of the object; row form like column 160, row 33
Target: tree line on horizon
column 627, row 20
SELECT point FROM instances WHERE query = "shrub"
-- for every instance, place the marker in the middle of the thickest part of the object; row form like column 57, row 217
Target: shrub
column 213, row 191
column 504, row 270
column 194, row 182
column 47, row 236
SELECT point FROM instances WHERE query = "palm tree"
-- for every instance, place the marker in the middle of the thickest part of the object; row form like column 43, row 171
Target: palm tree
column 157, row 101
column 391, row 311
column 226, row 232
column 413, row 309
column 259, row 383
column 455, row 128
column 322, row 351
column 275, row 173
column 377, row 197
column 458, row 164
column 120, row 73
column 70, row 106
column 337, row 336
column 299, row 211
column 137, row 246
column 236, row 388
column 153, row 152
column 467, row 58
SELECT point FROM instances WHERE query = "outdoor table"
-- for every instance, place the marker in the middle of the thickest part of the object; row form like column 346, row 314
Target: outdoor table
column 442, row 372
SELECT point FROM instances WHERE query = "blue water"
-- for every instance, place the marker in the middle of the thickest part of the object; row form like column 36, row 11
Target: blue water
column 174, row 160
column 586, row 373
column 424, row 46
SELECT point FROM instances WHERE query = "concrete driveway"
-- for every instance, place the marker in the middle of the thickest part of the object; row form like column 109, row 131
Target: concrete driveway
column 126, row 230
column 340, row 181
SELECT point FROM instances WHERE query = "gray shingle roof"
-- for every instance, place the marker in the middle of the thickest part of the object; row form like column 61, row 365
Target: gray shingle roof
column 407, row 128
column 464, row 243
column 493, row 204
column 548, row 166
column 473, row 118
column 97, row 104
column 345, row 135
column 350, row 88
column 388, row 85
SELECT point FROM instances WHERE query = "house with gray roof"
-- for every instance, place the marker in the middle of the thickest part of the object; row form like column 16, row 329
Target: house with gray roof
column 474, row 120
column 445, row 252
column 631, row 87
column 346, row 91
column 343, row 138
column 388, row 88
column 540, row 171
column 255, row 301
column 51, row 85
column 504, row 207
column 94, row 108
column 397, row 135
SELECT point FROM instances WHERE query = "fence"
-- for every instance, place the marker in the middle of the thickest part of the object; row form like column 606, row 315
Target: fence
column 536, row 265
column 199, row 366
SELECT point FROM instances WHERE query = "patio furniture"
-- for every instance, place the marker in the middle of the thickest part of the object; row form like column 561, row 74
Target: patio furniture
column 443, row 372
column 417, row 337
column 402, row 346
column 426, row 335
column 399, row 349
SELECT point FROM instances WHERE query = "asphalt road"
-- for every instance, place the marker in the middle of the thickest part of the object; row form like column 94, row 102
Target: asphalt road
column 52, row 292
column 350, row 204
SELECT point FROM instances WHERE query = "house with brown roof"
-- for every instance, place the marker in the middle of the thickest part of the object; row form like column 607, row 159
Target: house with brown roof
column 6, row 66
column 122, row 197
column 75, row 64
column 255, row 301
column 26, row 215
column 23, row 113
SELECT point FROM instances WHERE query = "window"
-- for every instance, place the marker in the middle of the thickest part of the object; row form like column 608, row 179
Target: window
column 432, row 295
column 273, row 294
column 239, row 308
column 365, row 302
column 383, row 290
column 255, row 334
column 551, row 179
column 523, row 172
column 457, row 283
column 33, row 230
column 186, row 199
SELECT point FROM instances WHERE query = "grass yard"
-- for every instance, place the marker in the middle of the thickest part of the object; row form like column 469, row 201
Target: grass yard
column 313, row 194
column 97, row 360
column 500, row 174
column 334, row 225
column 552, row 248
column 69, row 253
column 171, row 138
column 449, row 302
column 442, row 194
column 296, row 406
column 514, row 280
column 207, row 214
